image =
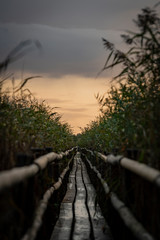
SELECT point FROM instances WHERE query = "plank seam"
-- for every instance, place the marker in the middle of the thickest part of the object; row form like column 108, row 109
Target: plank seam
column 92, row 237
column 73, row 205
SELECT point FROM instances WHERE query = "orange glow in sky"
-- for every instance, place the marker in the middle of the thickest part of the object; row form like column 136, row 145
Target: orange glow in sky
column 74, row 95
column 65, row 47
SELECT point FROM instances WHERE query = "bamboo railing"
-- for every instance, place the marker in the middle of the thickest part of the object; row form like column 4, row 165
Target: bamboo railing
column 11, row 177
column 141, row 169
column 124, row 212
column 37, row 222
column 18, row 174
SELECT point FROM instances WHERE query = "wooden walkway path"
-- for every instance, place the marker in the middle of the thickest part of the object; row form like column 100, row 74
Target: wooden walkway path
column 80, row 215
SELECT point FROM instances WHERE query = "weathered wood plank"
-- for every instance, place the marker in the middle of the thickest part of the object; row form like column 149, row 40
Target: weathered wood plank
column 101, row 228
column 63, row 226
column 82, row 224
column 80, row 218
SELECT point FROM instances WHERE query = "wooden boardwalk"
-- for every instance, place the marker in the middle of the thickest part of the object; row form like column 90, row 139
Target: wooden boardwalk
column 80, row 216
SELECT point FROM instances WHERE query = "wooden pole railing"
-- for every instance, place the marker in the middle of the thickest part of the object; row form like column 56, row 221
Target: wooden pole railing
column 124, row 212
column 41, row 171
column 135, row 183
column 141, row 169
column 18, row 174
column 37, row 222
column 11, row 177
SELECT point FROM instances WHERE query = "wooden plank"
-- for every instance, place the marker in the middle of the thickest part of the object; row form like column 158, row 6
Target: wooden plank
column 80, row 218
column 101, row 228
column 82, row 224
column 63, row 226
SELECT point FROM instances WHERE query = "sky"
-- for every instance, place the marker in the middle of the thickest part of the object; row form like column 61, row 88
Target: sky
column 71, row 55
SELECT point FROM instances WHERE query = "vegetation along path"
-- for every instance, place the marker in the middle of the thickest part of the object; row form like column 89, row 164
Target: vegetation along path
column 80, row 216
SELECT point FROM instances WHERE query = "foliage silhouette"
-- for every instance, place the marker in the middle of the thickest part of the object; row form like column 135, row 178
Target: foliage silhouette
column 130, row 110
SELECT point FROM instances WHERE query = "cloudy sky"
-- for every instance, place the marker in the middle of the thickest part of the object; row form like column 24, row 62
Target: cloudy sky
column 72, row 52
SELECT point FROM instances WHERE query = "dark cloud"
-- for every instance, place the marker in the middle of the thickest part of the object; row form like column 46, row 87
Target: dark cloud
column 69, row 14
column 65, row 51
column 69, row 31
